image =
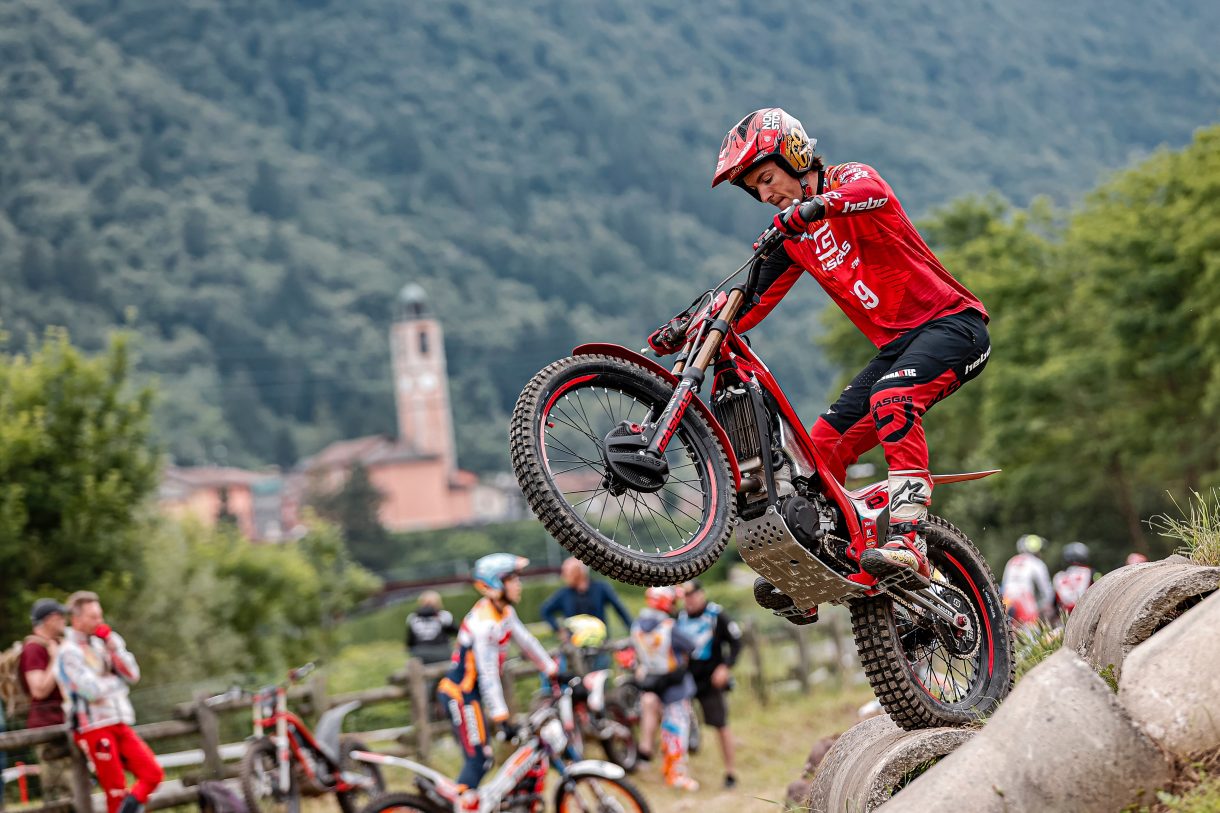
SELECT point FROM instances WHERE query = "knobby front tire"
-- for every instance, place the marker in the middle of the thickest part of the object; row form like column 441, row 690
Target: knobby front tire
column 592, row 793
column 653, row 539
column 260, row 781
column 918, row 682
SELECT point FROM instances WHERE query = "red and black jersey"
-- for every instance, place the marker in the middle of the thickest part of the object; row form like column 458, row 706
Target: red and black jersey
column 868, row 257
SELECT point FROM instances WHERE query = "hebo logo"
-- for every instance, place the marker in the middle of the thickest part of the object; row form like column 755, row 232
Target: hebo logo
column 867, row 298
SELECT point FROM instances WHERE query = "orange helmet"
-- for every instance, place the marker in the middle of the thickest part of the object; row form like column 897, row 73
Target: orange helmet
column 661, row 598
column 769, row 134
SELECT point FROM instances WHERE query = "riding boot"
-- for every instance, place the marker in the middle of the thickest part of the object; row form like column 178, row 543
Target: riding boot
column 905, row 548
column 131, row 804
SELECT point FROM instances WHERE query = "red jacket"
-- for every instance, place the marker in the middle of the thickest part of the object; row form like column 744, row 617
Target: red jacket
column 870, row 259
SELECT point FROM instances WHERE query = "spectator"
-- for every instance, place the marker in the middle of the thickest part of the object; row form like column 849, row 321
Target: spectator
column 716, row 642
column 663, row 674
column 1026, row 586
column 430, row 630
column 95, row 671
column 1076, row 577
column 37, row 675
column 1136, row 558
column 580, row 595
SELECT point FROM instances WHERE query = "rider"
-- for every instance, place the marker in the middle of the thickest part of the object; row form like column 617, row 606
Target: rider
column 849, row 231
column 1076, row 577
column 1026, row 586
column 662, row 671
column 472, row 691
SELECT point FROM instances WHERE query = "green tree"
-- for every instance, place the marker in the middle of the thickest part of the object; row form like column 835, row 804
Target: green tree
column 355, row 507
column 75, row 464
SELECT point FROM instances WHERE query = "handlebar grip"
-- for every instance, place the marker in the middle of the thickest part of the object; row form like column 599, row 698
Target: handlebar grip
column 302, row 671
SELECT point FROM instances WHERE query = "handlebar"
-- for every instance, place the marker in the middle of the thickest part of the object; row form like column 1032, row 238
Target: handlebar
column 301, row 672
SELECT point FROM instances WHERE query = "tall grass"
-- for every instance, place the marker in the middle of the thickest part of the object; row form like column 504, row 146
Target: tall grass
column 1035, row 644
column 1198, row 527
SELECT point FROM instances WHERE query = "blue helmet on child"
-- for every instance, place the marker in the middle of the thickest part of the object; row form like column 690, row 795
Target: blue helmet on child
column 490, row 570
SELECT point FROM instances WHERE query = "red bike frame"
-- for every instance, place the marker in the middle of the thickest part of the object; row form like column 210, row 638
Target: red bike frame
column 291, row 734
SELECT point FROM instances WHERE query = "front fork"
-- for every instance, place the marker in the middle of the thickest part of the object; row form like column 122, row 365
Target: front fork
column 692, row 376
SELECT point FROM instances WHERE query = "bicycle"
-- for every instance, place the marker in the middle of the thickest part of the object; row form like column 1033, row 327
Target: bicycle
column 585, row 786
column 284, row 756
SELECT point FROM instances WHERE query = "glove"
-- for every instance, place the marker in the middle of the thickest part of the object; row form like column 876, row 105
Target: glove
column 670, row 337
column 102, row 631
column 796, row 219
column 509, row 730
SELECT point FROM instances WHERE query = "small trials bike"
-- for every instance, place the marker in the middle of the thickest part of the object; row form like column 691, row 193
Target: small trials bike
column 645, row 482
column 285, row 758
column 585, row 786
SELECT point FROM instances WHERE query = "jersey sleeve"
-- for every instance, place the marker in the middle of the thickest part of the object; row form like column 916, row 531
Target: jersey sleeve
column 728, row 633
column 857, row 189
column 531, row 647
column 486, row 650
column 124, row 662
column 776, row 277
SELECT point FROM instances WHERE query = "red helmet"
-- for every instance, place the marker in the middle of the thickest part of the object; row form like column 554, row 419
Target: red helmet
column 661, row 598
column 767, row 134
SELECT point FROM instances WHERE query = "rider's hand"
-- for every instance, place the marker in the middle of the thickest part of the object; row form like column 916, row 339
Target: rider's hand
column 509, row 730
column 796, row 219
column 670, row 337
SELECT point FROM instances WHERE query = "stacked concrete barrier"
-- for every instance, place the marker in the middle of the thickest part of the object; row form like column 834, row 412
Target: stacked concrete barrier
column 1127, row 606
column 1169, row 683
column 872, row 760
column 1060, row 742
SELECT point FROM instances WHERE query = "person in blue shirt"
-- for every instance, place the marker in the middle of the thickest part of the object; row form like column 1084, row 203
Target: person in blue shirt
column 580, row 595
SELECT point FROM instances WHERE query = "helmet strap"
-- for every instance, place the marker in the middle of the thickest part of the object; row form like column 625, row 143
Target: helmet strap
column 808, row 190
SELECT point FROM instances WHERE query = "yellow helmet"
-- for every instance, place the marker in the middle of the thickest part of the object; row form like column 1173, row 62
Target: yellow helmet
column 585, row 630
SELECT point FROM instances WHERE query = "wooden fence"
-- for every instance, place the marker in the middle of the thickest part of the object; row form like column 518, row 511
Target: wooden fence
column 782, row 657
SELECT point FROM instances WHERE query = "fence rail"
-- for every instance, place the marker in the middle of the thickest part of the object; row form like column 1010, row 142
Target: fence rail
column 413, row 685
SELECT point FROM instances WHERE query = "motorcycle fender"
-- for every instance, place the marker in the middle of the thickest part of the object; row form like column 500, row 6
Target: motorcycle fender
column 595, row 767
column 620, row 352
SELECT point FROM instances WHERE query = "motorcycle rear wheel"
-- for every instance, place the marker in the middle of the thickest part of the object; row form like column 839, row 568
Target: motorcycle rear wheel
column 919, row 682
column 657, row 538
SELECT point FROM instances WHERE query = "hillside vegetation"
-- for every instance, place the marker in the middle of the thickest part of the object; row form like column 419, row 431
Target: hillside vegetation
column 247, row 184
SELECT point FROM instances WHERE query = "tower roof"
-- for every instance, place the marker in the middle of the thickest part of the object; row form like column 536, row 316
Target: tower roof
column 412, row 302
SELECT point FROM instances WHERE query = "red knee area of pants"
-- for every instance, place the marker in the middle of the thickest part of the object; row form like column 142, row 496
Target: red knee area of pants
column 897, row 417
column 114, row 751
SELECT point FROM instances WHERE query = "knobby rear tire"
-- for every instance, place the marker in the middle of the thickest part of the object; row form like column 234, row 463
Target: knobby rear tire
column 893, row 677
column 406, row 802
column 562, row 522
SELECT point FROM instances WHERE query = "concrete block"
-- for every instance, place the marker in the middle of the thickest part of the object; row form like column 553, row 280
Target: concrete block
column 871, row 760
column 1060, row 742
column 1169, row 682
column 1127, row 606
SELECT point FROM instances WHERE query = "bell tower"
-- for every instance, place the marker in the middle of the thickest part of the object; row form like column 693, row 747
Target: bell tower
column 421, row 383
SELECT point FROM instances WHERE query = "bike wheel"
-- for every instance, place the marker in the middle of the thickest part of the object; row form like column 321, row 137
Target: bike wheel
column 920, row 681
column 621, row 747
column 400, row 803
column 593, row 794
column 260, row 782
column 368, row 774
column 647, row 538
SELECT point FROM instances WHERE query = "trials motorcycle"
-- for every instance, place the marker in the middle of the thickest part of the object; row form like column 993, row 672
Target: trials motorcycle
column 644, row 481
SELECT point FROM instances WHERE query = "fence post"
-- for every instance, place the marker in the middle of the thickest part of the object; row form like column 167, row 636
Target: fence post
column 751, row 643
column 317, row 694
column 82, row 796
column 209, row 737
column 803, row 664
column 420, row 706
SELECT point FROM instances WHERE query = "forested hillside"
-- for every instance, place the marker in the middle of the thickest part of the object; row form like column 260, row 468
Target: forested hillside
column 247, row 184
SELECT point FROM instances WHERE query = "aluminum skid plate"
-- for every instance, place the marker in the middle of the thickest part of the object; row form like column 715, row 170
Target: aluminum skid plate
column 772, row 551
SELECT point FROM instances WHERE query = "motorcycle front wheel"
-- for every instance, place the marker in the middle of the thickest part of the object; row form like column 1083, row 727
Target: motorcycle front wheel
column 648, row 537
column 923, row 677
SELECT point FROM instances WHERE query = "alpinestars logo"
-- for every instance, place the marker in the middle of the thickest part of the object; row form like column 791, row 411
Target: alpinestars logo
column 865, row 205
column 910, row 492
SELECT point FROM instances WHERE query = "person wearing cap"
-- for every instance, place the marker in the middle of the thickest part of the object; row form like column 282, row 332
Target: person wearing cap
column 95, row 672
column 472, row 691
column 36, row 673
column 716, row 641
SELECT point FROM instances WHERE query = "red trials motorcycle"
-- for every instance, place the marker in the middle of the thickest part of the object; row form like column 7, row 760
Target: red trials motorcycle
column 643, row 481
